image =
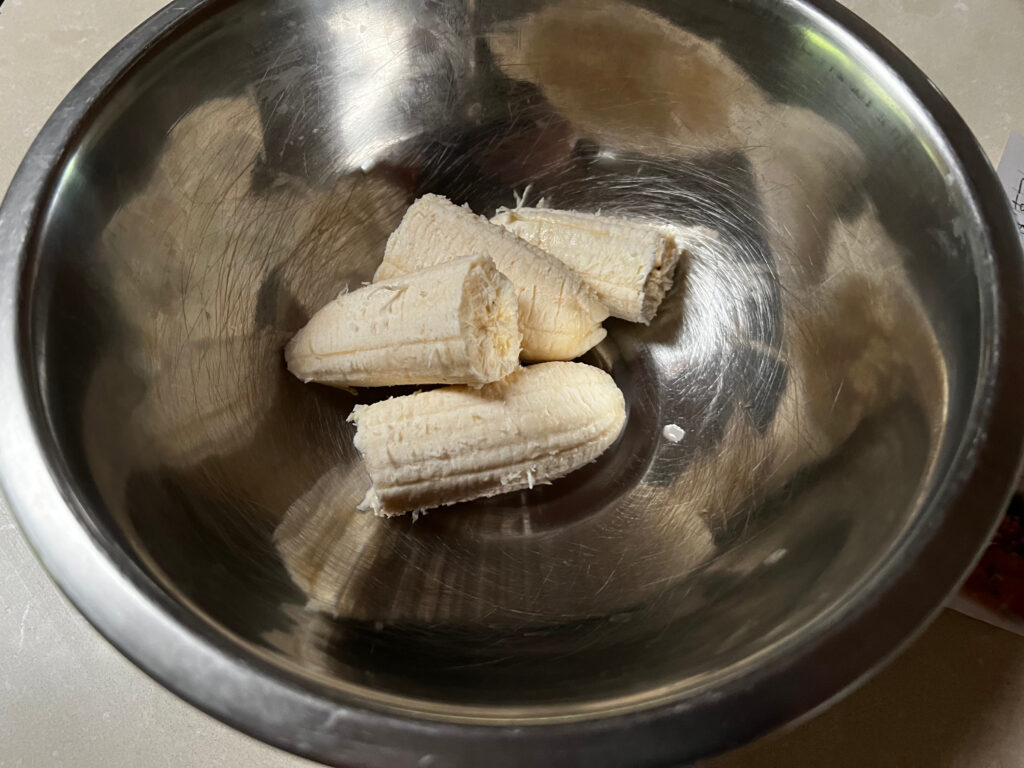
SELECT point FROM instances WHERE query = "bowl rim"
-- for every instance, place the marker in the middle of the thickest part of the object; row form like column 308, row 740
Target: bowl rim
column 248, row 692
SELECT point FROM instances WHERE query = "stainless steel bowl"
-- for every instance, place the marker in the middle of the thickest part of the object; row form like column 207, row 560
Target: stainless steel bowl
column 842, row 350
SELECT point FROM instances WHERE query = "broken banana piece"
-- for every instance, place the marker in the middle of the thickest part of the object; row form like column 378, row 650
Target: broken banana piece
column 456, row 323
column 629, row 264
column 559, row 315
column 453, row 444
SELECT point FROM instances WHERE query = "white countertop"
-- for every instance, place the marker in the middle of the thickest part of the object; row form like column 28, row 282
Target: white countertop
column 67, row 698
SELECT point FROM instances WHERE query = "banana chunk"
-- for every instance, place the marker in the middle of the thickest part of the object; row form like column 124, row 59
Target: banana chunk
column 629, row 264
column 559, row 315
column 456, row 323
column 453, row 444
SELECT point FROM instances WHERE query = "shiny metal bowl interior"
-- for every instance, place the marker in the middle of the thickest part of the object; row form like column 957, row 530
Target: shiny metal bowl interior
column 834, row 351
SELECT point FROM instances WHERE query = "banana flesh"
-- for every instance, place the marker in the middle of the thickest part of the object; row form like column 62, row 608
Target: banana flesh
column 455, row 323
column 453, row 444
column 629, row 264
column 559, row 315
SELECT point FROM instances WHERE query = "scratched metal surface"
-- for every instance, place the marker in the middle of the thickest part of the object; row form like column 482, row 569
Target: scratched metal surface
column 820, row 348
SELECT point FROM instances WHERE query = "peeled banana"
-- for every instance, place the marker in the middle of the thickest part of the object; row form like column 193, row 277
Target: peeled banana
column 453, row 444
column 455, row 323
column 559, row 315
column 629, row 264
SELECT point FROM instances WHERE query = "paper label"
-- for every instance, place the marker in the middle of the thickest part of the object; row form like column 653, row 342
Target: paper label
column 1011, row 174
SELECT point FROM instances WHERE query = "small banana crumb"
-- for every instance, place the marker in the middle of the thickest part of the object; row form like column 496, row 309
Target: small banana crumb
column 673, row 433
